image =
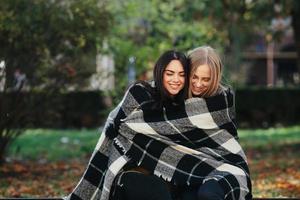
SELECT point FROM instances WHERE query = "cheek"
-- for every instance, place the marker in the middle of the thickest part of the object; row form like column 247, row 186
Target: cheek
column 193, row 83
column 207, row 84
column 182, row 80
column 165, row 79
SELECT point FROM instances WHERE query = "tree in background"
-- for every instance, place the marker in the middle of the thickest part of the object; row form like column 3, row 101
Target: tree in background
column 54, row 43
column 11, row 113
column 243, row 21
column 144, row 29
column 295, row 12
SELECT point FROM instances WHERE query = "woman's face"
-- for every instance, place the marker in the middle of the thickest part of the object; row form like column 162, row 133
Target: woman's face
column 174, row 77
column 200, row 80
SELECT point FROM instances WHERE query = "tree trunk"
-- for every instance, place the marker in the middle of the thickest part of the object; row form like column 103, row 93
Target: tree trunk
column 3, row 148
column 296, row 27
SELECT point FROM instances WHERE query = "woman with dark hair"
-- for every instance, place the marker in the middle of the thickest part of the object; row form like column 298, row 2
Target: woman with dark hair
column 169, row 75
column 162, row 74
column 112, row 155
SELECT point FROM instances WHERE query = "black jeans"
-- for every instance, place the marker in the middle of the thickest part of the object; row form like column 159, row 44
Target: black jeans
column 138, row 186
column 210, row 190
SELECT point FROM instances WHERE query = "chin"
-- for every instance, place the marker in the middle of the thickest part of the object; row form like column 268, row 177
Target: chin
column 197, row 93
column 174, row 93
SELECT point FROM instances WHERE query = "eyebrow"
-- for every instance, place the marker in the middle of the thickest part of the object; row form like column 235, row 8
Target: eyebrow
column 202, row 77
column 168, row 70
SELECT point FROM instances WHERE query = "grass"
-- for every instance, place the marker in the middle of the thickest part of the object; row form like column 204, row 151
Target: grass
column 273, row 156
column 54, row 145
column 261, row 137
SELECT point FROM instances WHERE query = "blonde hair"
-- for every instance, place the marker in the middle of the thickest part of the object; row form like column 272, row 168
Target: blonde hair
column 206, row 55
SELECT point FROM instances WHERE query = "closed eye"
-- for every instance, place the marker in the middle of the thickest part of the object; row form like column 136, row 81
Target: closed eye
column 195, row 77
column 169, row 74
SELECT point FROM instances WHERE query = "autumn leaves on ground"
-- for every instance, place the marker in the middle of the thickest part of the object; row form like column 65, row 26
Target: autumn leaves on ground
column 41, row 169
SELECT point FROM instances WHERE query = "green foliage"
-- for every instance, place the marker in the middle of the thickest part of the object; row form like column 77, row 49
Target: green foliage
column 57, row 40
column 49, row 39
column 145, row 29
column 54, row 43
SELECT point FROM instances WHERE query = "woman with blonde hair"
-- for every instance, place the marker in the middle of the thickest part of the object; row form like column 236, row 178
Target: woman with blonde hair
column 206, row 72
column 212, row 98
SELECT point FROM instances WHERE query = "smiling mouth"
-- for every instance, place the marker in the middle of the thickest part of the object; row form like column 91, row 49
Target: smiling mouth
column 198, row 90
column 175, row 86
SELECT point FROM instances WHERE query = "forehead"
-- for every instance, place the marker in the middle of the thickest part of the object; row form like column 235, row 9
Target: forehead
column 174, row 65
column 202, row 70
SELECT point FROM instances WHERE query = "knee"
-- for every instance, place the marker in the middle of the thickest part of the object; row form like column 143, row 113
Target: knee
column 210, row 190
column 206, row 195
column 140, row 186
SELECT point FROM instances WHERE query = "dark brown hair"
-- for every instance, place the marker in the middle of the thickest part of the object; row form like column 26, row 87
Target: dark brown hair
column 161, row 93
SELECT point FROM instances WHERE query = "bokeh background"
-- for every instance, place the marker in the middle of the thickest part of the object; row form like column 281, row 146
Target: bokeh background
column 64, row 64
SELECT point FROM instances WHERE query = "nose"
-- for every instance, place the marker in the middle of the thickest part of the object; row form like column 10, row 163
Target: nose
column 176, row 78
column 199, row 83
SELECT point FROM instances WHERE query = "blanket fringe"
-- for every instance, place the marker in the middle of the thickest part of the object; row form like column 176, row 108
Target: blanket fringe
column 117, row 142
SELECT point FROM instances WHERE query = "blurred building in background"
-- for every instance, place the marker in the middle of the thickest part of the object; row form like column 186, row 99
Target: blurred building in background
column 103, row 78
column 272, row 59
column 2, row 75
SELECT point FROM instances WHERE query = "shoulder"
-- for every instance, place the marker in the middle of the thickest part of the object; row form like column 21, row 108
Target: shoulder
column 139, row 87
column 224, row 93
column 229, row 94
column 225, row 90
column 141, row 90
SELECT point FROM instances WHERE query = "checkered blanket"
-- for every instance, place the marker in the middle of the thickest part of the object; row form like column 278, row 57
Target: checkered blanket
column 186, row 144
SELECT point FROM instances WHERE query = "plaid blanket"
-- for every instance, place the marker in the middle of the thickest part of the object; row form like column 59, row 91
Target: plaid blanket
column 184, row 144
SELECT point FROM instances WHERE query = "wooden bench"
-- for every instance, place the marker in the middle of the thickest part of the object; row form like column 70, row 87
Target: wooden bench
column 57, row 198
